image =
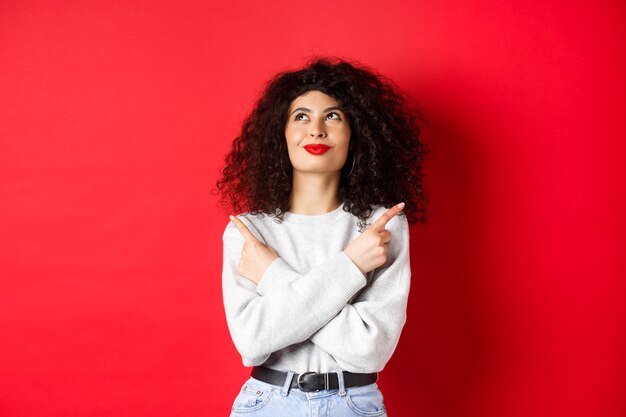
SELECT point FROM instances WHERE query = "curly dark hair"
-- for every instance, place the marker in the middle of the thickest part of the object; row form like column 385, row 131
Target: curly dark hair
column 385, row 163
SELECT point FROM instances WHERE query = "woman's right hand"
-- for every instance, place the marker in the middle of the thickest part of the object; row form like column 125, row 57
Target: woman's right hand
column 369, row 251
column 255, row 256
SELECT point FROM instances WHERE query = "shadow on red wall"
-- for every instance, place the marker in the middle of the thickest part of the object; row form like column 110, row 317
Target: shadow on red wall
column 444, row 351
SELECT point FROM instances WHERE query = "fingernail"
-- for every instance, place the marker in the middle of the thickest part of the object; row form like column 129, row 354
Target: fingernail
column 401, row 206
column 230, row 216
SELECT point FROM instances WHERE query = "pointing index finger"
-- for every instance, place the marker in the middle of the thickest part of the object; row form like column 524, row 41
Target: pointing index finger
column 243, row 229
column 386, row 216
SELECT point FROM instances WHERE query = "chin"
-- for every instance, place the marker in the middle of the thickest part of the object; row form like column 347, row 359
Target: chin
column 317, row 170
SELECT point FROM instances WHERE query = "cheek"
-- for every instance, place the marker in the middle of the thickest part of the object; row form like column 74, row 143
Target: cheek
column 292, row 135
column 289, row 136
column 292, row 141
column 345, row 137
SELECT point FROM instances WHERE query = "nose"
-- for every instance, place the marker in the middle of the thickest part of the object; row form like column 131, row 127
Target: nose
column 317, row 131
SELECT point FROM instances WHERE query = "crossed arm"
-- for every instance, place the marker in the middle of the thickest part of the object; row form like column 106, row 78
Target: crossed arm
column 287, row 307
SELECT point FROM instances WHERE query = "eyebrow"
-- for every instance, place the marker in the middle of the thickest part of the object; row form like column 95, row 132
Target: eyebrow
column 304, row 109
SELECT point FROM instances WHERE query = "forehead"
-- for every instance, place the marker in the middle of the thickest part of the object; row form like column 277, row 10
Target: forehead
column 313, row 98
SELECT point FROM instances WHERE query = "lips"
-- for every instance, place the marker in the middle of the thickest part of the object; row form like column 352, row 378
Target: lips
column 316, row 149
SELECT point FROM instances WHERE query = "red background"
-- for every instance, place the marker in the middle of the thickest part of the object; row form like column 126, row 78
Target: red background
column 114, row 121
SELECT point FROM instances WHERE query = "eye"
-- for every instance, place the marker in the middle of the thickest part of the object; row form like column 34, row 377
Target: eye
column 297, row 116
column 338, row 117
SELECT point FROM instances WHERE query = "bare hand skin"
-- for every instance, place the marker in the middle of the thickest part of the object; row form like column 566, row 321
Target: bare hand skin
column 255, row 256
column 369, row 251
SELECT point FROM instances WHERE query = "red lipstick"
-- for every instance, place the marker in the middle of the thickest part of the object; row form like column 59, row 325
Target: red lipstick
column 316, row 149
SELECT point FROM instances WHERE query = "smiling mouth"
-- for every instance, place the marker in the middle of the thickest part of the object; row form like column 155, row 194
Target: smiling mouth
column 317, row 149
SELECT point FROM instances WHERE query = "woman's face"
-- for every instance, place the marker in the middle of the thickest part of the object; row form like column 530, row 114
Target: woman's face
column 317, row 133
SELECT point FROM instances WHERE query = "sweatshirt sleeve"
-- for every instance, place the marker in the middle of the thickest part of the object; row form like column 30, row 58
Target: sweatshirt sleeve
column 265, row 318
column 364, row 334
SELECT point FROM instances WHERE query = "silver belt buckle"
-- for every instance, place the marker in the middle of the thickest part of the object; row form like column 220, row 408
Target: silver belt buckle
column 300, row 380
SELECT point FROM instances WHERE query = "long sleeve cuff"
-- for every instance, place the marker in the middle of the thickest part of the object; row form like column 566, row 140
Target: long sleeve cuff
column 349, row 277
column 278, row 271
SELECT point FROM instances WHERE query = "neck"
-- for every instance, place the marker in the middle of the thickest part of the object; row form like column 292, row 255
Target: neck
column 314, row 193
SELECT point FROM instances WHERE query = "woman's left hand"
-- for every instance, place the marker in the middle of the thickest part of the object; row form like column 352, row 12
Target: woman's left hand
column 255, row 256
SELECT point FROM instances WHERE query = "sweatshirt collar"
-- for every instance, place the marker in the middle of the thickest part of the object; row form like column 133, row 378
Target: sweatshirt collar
column 290, row 217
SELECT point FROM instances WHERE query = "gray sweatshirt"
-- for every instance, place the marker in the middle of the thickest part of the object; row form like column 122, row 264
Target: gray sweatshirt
column 313, row 309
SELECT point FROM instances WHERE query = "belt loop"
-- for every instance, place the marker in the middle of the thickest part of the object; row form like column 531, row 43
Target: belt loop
column 342, row 385
column 285, row 391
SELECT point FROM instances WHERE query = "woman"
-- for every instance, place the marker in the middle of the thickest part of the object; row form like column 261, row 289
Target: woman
column 316, row 272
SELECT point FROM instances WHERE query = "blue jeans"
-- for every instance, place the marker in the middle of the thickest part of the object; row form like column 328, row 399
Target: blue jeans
column 260, row 399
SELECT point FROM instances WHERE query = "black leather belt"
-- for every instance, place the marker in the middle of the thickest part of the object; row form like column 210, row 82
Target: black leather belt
column 312, row 381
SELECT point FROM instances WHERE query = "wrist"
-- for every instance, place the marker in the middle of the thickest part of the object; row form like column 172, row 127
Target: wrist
column 347, row 252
